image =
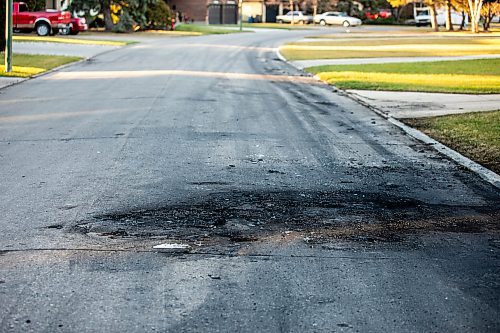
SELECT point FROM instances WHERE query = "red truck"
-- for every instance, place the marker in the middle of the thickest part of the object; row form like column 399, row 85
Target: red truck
column 43, row 22
column 77, row 25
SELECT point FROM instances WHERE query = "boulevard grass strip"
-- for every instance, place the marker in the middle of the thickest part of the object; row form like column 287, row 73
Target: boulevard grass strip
column 27, row 65
column 172, row 33
column 69, row 40
column 481, row 76
column 475, row 135
column 391, row 46
column 205, row 29
column 282, row 26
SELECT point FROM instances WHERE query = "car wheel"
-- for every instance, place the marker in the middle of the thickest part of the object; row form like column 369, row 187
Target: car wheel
column 322, row 22
column 346, row 24
column 42, row 29
column 65, row 31
column 280, row 21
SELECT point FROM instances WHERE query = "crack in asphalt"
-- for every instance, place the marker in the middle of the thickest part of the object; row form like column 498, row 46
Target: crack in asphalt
column 177, row 254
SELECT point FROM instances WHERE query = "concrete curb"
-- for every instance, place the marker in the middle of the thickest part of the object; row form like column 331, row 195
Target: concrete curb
column 486, row 174
column 62, row 67
column 280, row 57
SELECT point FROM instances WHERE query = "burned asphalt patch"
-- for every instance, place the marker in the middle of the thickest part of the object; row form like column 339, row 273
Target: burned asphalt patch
column 250, row 216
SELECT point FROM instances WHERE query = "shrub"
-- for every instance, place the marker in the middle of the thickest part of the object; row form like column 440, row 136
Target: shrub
column 126, row 23
column 159, row 15
column 381, row 21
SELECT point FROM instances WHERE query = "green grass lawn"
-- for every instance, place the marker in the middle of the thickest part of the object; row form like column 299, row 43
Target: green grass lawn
column 392, row 46
column 284, row 26
column 25, row 65
column 475, row 135
column 205, row 29
column 462, row 76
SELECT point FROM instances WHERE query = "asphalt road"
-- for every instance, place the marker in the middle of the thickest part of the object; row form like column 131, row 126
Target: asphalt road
column 306, row 212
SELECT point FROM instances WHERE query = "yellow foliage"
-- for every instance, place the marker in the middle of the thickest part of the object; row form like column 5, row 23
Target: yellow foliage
column 18, row 71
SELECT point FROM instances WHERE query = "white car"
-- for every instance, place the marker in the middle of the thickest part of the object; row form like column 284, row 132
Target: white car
column 424, row 18
column 296, row 16
column 339, row 18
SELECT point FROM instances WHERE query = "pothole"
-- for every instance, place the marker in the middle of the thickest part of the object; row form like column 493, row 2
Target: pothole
column 250, row 216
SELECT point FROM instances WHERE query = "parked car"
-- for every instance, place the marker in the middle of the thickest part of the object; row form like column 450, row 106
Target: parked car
column 77, row 25
column 339, row 18
column 423, row 17
column 296, row 16
column 43, row 22
column 381, row 13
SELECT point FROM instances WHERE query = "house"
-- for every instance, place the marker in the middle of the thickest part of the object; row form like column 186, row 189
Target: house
column 225, row 11
column 196, row 10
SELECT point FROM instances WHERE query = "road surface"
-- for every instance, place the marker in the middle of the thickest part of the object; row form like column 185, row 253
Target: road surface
column 305, row 211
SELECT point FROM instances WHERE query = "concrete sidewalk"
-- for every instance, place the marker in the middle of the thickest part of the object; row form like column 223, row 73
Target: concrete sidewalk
column 301, row 64
column 84, row 51
column 416, row 104
column 8, row 81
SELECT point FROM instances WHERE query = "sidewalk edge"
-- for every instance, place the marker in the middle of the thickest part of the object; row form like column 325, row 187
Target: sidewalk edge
column 55, row 69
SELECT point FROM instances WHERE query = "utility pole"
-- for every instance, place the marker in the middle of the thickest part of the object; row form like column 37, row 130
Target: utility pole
column 291, row 8
column 240, row 5
column 8, row 35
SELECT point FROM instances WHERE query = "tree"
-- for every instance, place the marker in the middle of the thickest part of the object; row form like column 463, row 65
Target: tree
column 449, row 23
column 159, row 15
column 129, row 12
column 398, row 6
column 491, row 8
column 432, row 10
column 325, row 6
column 463, row 7
column 87, row 6
column 475, row 13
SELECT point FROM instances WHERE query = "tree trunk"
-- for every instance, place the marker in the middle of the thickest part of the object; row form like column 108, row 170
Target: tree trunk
column 449, row 23
column 462, row 25
column 434, row 23
column 475, row 14
column 108, row 21
column 487, row 19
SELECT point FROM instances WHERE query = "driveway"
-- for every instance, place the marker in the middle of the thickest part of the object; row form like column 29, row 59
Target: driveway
column 304, row 211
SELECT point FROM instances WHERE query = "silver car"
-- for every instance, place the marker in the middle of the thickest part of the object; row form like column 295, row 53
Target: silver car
column 296, row 16
column 338, row 18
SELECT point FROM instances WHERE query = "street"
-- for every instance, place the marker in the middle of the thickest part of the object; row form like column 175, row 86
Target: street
column 305, row 211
